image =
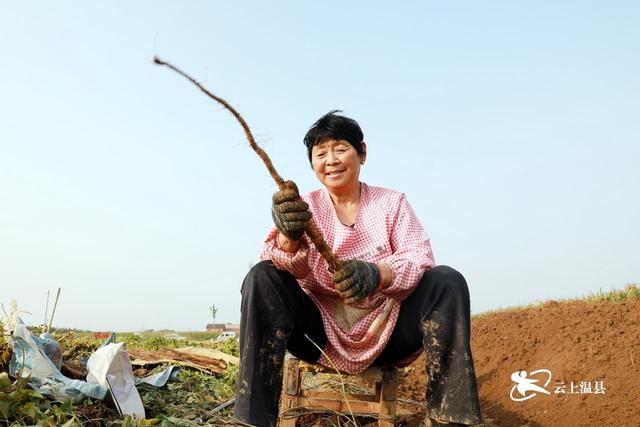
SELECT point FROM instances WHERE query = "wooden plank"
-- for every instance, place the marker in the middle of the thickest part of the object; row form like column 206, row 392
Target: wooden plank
column 371, row 374
column 389, row 384
column 388, row 395
column 291, row 388
column 337, row 395
column 340, row 405
column 291, row 377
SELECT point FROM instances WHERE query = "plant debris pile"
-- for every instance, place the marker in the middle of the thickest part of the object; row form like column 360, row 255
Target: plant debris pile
column 192, row 400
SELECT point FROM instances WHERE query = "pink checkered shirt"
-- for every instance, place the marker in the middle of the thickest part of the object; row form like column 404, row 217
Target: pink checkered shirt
column 386, row 230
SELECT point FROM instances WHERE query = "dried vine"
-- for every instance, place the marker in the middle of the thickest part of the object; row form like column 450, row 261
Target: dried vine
column 312, row 230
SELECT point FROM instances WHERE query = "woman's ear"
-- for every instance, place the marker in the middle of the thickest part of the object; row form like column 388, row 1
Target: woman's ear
column 363, row 156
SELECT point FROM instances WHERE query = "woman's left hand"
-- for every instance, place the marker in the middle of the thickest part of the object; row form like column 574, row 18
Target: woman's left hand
column 356, row 279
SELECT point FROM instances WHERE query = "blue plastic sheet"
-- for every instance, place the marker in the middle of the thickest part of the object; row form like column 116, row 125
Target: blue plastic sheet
column 159, row 380
column 29, row 360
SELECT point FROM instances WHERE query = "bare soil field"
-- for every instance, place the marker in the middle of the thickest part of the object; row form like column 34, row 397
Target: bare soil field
column 596, row 344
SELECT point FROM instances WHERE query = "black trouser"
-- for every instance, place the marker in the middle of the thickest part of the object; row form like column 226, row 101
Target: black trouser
column 276, row 314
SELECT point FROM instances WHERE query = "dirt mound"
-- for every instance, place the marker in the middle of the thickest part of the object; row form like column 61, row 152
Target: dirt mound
column 592, row 351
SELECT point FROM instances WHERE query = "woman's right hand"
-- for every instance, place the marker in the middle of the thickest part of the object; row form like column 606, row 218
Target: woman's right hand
column 290, row 213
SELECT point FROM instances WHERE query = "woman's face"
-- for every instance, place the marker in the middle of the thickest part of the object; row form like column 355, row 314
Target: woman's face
column 337, row 164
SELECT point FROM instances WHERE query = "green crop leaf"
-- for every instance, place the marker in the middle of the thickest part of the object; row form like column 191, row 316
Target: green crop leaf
column 35, row 394
column 29, row 410
column 71, row 423
column 5, row 407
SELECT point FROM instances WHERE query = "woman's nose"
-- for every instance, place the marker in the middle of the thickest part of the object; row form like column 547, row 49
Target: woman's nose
column 332, row 158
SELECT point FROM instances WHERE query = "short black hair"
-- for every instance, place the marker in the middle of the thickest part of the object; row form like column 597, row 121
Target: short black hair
column 334, row 126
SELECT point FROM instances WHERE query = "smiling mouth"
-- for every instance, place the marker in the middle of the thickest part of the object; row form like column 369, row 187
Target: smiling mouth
column 334, row 173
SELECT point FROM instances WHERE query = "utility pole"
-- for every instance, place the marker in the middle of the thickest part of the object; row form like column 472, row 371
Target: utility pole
column 214, row 310
column 53, row 312
column 46, row 308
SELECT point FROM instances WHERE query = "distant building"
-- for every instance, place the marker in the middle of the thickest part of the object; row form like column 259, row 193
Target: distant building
column 234, row 327
column 215, row 327
column 223, row 327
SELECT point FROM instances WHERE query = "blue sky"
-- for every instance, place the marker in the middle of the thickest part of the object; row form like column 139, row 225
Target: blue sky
column 511, row 126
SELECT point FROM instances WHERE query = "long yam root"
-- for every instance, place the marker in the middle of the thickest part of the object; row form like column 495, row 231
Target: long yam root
column 312, row 229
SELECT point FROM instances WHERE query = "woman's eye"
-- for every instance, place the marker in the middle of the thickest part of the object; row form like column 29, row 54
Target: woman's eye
column 320, row 155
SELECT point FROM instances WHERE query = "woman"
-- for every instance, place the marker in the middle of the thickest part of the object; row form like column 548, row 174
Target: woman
column 386, row 304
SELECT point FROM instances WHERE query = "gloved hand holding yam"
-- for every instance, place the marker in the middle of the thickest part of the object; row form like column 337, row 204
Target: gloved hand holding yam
column 290, row 213
column 356, row 279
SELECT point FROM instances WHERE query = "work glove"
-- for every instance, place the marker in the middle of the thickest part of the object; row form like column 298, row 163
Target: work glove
column 356, row 279
column 290, row 213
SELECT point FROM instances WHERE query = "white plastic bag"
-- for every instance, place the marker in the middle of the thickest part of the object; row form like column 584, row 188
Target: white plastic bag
column 110, row 366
